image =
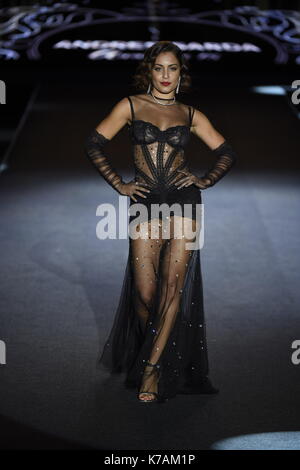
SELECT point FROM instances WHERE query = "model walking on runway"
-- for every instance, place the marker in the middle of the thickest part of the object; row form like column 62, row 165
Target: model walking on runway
column 158, row 337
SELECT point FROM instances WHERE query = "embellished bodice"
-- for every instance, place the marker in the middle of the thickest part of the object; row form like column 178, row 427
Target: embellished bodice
column 159, row 137
column 158, row 153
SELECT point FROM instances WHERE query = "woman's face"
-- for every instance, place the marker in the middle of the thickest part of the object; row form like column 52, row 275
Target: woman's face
column 165, row 73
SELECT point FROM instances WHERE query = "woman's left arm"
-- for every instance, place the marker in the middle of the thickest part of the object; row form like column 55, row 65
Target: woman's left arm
column 225, row 156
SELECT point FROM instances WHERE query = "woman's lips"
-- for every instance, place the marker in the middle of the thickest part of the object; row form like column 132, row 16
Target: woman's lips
column 165, row 83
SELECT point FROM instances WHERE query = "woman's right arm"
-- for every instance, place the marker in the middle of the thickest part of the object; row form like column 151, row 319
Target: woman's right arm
column 99, row 137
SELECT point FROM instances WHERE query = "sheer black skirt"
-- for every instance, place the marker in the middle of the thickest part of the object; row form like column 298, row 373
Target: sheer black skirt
column 160, row 315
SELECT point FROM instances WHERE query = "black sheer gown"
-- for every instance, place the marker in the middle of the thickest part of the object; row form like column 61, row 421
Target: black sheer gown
column 160, row 315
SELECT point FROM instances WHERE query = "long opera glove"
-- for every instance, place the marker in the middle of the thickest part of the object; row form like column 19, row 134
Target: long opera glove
column 225, row 159
column 94, row 147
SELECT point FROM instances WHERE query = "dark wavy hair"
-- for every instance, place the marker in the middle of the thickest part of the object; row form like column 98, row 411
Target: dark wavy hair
column 142, row 76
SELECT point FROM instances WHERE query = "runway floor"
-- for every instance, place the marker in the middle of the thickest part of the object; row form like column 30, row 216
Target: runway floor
column 60, row 284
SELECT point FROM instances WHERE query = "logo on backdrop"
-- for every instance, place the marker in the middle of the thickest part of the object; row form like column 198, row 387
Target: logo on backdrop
column 37, row 31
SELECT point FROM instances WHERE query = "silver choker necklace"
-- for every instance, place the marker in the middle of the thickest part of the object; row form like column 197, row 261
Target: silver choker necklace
column 163, row 104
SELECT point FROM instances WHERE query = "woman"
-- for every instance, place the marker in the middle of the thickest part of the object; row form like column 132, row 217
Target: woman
column 158, row 337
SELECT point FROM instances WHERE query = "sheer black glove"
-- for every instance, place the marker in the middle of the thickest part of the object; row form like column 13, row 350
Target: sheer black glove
column 225, row 159
column 94, row 146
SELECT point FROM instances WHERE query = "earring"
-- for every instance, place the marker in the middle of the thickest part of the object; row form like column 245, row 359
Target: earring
column 149, row 88
column 177, row 88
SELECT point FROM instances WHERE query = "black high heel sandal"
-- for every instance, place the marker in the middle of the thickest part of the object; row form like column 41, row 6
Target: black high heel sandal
column 149, row 393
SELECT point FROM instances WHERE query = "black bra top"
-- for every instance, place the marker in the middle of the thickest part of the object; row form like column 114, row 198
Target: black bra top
column 144, row 132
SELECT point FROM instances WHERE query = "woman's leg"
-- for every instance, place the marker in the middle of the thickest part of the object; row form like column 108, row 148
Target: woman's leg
column 145, row 263
column 145, row 266
column 173, row 268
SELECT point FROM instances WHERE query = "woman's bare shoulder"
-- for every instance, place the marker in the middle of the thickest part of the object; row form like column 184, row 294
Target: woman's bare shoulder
column 140, row 97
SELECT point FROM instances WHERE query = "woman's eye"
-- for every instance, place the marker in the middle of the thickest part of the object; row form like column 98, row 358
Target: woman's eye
column 173, row 69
